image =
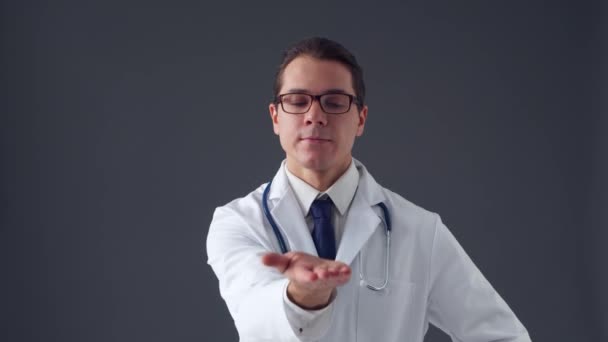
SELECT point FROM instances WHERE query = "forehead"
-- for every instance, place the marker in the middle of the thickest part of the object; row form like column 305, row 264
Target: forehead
column 316, row 76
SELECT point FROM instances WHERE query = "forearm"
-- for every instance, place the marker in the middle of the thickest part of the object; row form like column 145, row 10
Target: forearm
column 307, row 299
column 309, row 324
column 256, row 294
column 264, row 310
column 259, row 312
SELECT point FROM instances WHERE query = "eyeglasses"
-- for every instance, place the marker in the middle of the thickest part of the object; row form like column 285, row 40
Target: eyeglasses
column 331, row 103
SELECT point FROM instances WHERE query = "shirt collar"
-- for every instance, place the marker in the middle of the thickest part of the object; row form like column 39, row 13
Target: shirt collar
column 341, row 192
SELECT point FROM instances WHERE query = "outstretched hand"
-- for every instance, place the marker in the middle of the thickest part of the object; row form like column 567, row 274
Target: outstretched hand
column 312, row 279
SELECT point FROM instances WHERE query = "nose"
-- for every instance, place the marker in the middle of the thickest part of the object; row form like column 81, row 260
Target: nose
column 316, row 115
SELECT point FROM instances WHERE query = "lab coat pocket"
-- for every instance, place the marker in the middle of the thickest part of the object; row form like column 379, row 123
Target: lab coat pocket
column 386, row 315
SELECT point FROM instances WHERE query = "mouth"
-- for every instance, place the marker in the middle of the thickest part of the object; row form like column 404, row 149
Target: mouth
column 315, row 139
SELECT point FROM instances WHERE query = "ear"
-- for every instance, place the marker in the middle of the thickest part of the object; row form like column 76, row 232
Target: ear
column 274, row 116
column 362, row 118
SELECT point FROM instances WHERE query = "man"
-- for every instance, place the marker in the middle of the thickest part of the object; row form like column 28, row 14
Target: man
column 323, row 252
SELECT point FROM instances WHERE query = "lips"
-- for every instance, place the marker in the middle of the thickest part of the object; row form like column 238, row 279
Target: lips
column 315, row 139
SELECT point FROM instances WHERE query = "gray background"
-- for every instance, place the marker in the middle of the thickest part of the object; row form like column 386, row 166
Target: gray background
column 125, row 124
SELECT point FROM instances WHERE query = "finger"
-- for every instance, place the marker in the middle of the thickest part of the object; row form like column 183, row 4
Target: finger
column 301, row 275
column 278, row 261
column 330, row 271
column 334, row 270
column 344, row 270
column 322, row 272
column 337, row 275
column 339, row 280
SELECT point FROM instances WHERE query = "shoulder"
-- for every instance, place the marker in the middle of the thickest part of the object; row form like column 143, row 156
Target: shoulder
column 403, row 212
column 249, row 206
column 411, row 222
column 240, row 222
column 408, row 210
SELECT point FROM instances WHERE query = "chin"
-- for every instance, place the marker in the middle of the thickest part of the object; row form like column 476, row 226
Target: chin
column 315, row 163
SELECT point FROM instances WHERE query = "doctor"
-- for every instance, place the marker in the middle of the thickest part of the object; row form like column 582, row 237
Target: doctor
column 325, row 253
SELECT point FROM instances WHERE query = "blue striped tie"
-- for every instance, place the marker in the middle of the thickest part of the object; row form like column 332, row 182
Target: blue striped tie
column 323, row 231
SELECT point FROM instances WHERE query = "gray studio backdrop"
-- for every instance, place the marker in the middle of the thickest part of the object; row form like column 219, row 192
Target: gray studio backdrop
column 123, row 125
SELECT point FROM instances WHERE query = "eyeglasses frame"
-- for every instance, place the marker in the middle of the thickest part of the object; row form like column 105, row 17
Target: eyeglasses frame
column 352, row 98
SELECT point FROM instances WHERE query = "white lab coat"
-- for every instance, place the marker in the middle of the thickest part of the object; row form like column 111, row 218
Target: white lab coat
column 431, row 277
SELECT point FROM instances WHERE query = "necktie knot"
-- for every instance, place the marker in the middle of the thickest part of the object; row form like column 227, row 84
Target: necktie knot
column 321, row 209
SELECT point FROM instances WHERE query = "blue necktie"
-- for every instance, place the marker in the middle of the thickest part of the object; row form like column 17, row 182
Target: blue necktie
column 323, row 231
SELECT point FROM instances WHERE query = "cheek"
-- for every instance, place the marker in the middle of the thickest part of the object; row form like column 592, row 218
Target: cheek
column 287, row 134
column 349, row 131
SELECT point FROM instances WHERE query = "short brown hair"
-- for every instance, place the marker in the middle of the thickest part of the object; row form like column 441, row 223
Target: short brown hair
column 323, row 49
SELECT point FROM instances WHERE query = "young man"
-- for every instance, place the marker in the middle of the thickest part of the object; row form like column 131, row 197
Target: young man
column 323, row 252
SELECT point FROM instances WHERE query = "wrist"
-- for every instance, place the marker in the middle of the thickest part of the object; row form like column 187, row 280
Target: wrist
column 309, row 299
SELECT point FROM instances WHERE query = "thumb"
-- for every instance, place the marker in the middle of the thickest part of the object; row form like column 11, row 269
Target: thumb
column 278, row 261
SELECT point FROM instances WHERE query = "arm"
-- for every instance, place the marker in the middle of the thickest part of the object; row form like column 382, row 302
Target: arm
column 462, row 302
column 255, row 294
column 312, row 280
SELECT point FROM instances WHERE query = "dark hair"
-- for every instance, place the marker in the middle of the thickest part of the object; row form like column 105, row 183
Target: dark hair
column 324, row 49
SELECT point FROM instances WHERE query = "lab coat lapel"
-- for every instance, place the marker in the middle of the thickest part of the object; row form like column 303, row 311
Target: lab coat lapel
column 288, row 215
column 361, row 220
column 360, row 223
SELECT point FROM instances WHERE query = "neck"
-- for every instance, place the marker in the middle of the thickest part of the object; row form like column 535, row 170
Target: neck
column 319, row 179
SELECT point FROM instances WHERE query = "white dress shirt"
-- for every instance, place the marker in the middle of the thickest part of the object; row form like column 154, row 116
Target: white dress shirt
column 307, row 324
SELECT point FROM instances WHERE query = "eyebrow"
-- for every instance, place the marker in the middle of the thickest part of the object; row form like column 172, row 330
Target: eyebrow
column 328, row 91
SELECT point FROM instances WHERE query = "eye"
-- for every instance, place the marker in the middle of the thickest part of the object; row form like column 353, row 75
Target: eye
column 335, row 101
column 296, row 100
column 334, row 104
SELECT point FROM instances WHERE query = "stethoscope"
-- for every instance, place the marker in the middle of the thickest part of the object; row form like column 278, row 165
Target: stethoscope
column 387, row 226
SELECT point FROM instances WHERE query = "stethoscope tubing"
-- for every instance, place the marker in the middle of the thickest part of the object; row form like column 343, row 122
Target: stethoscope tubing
column 283, row 245
column 270, row 219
